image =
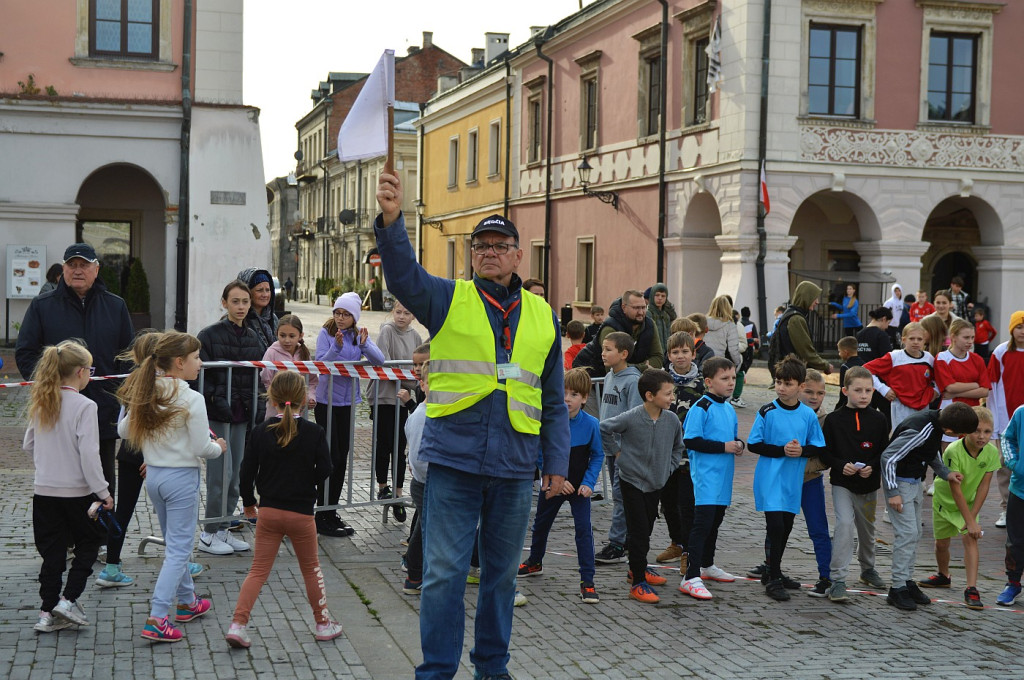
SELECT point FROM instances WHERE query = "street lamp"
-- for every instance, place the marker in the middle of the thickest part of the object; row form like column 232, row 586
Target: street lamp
column 610, row 197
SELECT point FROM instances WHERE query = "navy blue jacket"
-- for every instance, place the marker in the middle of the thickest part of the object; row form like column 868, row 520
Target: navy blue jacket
column 102, row 320
column 480, row 439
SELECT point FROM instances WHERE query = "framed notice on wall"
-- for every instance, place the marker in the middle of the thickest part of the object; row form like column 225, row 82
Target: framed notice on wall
column 26, row 271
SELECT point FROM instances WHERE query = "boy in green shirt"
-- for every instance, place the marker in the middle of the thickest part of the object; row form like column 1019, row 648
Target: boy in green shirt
column 955, row 507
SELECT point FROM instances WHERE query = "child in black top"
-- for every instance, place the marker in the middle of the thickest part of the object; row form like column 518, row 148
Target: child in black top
column 847, row 347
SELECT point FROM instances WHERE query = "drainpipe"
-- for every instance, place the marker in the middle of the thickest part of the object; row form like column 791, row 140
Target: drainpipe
column 662, row 113
column 547, row 178
column 181, row 285
column 419, row 192
column 762, row 150
column 508, row 131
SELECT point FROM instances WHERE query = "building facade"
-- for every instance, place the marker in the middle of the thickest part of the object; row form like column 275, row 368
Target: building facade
column 97, row 140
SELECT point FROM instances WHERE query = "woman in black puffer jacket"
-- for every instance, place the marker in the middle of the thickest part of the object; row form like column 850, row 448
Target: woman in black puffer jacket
column 230, row 339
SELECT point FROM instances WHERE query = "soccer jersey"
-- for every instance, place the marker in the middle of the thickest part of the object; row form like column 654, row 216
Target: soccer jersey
column 950, row 369
column 712, row 420
column 778, row 478
column 912, row 378
column 1006, row 373
column 973, row 469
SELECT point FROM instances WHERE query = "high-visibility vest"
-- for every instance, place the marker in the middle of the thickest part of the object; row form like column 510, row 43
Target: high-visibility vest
column 463, row 358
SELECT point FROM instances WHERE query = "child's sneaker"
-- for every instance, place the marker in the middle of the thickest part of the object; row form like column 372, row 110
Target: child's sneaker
column 519, row 600
column 900, row 598
column 776, row 590
column 821, row 588
column 650, row 576
column 716, row 573
column 936, row 581
column 238, row 637
column 611, row 554
column 160, row 630
column 670, row 554
column 187, row 612
column 837, row 593
column 694, row 587
column 972, row 598
column 642, row 592
column 758, row 572
column 327, row 631
column 684, row 563
column 411, row 587
column 236, row 544
column 871, row 577
column 916, row 595
column 113, row 577
column 1009, row 594
column 473, row 577
column 588, row 593
column 790, row 584
column 70, row 611
column 48, row 623
column 529, row 568
column 195, row 569
column 212, row 544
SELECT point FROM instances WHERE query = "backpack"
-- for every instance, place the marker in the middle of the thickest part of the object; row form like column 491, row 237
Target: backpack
column 779, row 346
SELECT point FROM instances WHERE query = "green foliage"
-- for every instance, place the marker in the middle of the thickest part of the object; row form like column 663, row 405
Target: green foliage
column 29, row 86
column 137, row 295
column 324, row 286
column 349, row 283
column 111, row 278
column 51, row 91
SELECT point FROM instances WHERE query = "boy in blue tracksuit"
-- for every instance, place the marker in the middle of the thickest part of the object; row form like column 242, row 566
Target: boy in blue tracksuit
column 585, row 457
column 785, row 434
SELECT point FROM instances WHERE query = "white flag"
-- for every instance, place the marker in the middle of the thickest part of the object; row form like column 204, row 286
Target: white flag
column 714, row 52
column 364, row 132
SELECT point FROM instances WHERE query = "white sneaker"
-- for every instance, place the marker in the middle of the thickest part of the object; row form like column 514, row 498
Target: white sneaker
column 738, row 402
column 716, row 573
column 694, row 587
column 238, row 637
column 327, row 631
column 48, row 623
column 70, row 611
column 520, row 600
column 237, row 545
column 211, row 543
column 931, row 490
column 1001, row 522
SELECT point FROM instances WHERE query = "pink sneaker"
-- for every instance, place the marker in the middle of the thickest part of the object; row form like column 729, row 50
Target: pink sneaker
column 160, row 630
column 328, row 631
column 192, row 611
column 694, row 587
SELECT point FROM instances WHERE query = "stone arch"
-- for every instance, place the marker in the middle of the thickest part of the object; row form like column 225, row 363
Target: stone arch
column 954, row 227
column 694, row 257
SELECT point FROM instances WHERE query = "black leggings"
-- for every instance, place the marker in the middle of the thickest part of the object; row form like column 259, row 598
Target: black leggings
column 703, row 538
column 677, row 505
column 58, row 524
column 779, row 525
column 127, row 497
column 339, row 436
column 386, row 443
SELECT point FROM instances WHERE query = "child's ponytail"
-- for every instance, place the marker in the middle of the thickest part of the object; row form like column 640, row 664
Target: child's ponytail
column 288, row 391
column 55, row 365
column 149, row 412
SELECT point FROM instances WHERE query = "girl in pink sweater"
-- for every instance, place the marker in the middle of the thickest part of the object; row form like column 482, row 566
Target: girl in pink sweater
column 290, row 346
column 63, row 438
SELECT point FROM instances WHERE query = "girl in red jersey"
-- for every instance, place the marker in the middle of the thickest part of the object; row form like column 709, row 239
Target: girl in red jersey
column 905, row 376
column 1006, row 372
column 960, row 374
column 984, row 333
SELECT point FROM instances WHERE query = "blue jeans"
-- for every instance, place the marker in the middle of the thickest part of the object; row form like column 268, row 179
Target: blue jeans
column 617, row 532
column 222, row 475
column 546, row 511
column 175, row 496
column 454, row 504
column 812, row 502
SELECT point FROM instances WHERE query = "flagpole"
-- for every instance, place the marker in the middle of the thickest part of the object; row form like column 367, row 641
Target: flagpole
column 389, row 163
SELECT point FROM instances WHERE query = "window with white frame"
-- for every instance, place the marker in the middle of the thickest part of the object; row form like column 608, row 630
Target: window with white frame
column 453, row 162
column 537, row 252
column 649, row 81
column 494, row 149
column 589, row 92
column 585, row 269
column 535, row 137
column 697, row 24
column 450, row 259
column 472, row 155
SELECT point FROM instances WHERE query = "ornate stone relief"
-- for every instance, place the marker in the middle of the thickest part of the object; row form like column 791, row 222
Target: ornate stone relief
column 911, row 148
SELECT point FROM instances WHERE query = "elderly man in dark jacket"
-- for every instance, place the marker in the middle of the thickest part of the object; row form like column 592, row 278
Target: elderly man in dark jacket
column 82, row 307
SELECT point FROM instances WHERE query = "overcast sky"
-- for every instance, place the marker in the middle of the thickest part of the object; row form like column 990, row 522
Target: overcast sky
column 291, row 46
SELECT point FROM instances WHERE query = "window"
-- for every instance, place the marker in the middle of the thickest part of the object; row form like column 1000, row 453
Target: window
column 467, row 257
column 124, row 28
column 112, row 241
column 652, row 115
column 494, row 149
column 537, row 260
column 450, row 259
column 585, row 269
column 589, row 103
column 700, row 80
column 533, row 144
column 471, row 156
column 952, row 76
column 833, row 71
column 453, row 162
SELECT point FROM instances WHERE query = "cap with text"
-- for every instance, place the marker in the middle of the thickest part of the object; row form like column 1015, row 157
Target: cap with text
column 82, row 250
column 497, row 224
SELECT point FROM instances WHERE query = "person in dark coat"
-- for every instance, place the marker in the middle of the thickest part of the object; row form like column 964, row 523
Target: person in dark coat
column 261, row 318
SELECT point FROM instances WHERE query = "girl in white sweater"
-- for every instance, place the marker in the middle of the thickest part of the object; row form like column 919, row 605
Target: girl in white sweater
column 64, row 439
column 167, row 420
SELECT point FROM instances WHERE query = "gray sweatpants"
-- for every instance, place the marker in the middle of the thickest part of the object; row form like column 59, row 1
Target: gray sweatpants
column 854, row 511
column 906, row 527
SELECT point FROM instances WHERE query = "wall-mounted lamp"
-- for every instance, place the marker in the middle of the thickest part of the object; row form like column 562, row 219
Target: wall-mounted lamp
column 610, row 197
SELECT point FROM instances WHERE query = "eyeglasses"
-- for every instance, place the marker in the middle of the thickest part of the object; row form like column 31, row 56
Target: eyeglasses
column 639, row 308
column 342, row 313
column 498, row 248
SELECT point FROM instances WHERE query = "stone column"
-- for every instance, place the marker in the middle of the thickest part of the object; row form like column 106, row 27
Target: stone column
column 1000, row 282
column 901, row 259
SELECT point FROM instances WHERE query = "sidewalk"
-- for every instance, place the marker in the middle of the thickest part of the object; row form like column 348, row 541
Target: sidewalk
column 739, row 634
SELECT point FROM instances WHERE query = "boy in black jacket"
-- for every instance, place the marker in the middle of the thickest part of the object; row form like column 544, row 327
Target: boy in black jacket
column 915, row 447
column 854, row 439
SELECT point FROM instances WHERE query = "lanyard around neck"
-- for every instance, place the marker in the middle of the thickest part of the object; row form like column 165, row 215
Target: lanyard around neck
column 506, row 329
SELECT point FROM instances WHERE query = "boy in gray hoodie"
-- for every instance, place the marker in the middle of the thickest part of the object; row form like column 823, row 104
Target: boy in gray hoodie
column 619, row 395
column 651, row 449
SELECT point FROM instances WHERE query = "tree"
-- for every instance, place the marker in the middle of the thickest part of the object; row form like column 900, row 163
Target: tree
column 137, row 294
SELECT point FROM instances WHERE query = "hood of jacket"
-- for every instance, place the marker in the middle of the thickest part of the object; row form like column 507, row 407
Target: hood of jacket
column 804, row 295
column 247, row 276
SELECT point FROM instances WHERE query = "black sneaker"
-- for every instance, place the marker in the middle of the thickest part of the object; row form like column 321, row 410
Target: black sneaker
column 597, row 496
column 529, row 568
column 790, row 584
column 900, row 598
column 611, row 554
column 326, row 525
column 384, row 492
column 398, row 510
column 344, row 527
column 776, row 590
column 936, row 580
column 972, row 598
column 588, row 593
column 821, row 588
column 758, row 571
column 916, row 595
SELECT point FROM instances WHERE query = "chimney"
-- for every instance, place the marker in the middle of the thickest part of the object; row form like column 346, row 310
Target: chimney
column 476, row 61
column 495, row 45
column 445, row 83
column 413, row 49
column 428, row 39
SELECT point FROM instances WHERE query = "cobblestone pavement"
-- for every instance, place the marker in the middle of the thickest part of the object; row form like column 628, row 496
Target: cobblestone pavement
column 739, row 634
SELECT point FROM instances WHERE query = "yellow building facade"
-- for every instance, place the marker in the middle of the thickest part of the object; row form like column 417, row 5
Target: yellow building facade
column 464, row 166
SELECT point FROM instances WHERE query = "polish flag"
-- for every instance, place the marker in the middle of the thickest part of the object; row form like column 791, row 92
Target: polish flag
column 764, row 191
column 367, row 128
